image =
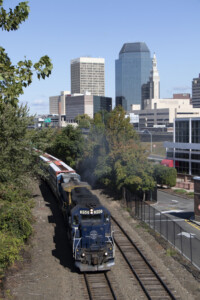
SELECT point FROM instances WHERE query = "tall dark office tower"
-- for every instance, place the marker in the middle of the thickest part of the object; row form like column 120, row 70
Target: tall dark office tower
column 132, row 70
column 196, row 92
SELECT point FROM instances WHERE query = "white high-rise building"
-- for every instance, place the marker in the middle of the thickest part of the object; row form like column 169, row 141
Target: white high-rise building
column 151, row 89
column 87, row 75
column 154, row 80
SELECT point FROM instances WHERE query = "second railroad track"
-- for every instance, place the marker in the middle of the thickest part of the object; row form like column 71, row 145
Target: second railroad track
column 149, row 280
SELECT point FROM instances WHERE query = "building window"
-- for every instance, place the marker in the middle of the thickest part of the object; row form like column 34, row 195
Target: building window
column 182, row 166
column 169, row 154
column 195, row 131
column 195, row 168
column 195, row 156
column 182, row 155
column 182, row 132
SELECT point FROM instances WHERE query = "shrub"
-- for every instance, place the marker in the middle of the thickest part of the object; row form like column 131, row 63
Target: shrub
column 9, row 249
column 13, row 193
column 15, row 222
column 16, row 218
column 165, row 175
column 171, row 175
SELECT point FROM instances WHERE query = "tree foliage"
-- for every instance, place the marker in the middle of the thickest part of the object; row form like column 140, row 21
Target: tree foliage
column 67, row 145
column 16, row 162
column 42, row 138
column 14, row 78
column 165, row 175
column 11, row 20
column 84, row 121
column 16, row 155
column 17, row 158
column 114, row 156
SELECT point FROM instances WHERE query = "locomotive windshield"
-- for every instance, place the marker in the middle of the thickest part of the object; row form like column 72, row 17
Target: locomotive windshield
column 91, row 218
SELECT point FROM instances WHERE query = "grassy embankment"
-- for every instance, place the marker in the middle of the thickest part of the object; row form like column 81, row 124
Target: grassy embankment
column 157, row 148
column 183, row 192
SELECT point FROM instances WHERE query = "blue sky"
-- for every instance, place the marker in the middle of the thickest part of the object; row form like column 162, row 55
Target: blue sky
column 65, row 30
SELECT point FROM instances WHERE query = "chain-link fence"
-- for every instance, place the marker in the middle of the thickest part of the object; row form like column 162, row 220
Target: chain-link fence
column 186, row 243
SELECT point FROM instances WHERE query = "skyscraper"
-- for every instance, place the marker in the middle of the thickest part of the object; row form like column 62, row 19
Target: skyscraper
column 87, row 75
column 132, row 70
column 154, row 80
column 151, row 89
column 196, row 92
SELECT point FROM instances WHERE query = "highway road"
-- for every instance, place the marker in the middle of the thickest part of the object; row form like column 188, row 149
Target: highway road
column 179, row 209
column 181, row 231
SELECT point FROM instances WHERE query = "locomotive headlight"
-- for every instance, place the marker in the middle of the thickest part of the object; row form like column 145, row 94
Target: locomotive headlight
column 91, row 211
column 83, row 254
column 106, row 253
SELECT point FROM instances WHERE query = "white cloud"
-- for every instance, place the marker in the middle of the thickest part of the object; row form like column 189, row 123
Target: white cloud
column 37, row 106
column 38, row 102
column 182, row 88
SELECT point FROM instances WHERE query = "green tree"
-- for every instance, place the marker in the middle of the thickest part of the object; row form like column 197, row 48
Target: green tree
column 84, row 121
column 11, row 20
column 165, row 175
column 16, row 155
column 14, row 78
column 118, row 128
column 15, row 147
column 114, row 155
column 68, row 145
column 42, row 139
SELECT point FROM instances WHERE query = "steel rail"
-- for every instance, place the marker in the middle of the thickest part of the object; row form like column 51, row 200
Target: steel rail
column 111, row 289
column 108, row 282
column 87, row 285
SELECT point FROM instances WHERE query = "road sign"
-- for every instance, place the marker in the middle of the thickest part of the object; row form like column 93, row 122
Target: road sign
column 47, row 120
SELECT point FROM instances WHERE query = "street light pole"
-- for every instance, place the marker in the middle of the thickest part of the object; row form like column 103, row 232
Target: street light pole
column 151, row 140
column 147, row 131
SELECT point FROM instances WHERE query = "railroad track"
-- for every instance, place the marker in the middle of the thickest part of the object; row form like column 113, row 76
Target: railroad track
column 151, row 283
column 99, row 286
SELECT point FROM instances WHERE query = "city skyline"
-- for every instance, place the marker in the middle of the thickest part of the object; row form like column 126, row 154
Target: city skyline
column 68, row 30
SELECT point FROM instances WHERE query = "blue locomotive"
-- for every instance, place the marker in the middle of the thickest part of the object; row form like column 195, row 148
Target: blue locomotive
column 88, row 222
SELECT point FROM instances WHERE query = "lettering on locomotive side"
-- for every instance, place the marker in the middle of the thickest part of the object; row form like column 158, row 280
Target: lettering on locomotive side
column 84, row 212
column 98, row 211
column 95, row 212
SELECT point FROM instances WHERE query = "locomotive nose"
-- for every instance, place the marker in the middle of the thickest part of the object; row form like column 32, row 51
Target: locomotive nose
column 93, row 234
column 95, row 259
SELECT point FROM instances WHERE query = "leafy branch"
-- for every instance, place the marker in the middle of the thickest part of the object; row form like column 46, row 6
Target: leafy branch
column 11, row 20
column 14, row 78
